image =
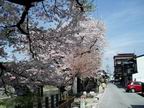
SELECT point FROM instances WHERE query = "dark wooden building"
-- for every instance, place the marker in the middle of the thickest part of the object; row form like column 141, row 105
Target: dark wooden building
column 124, row 66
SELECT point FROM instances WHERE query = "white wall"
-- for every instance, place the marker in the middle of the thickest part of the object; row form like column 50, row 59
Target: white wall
column 140, row 66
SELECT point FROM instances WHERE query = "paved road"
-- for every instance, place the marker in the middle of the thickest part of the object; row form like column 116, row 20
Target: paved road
column 115, row 97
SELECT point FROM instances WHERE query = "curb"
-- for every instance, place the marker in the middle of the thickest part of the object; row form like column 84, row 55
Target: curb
column 101, row 97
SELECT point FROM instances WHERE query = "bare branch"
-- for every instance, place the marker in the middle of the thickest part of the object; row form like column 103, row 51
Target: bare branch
column 80, row 5
column 93, row 43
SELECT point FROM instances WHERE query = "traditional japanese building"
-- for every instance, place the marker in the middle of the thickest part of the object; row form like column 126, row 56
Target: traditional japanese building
column 124, row 66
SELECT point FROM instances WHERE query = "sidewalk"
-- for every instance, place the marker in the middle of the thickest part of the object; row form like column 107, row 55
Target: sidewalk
column 90, row 100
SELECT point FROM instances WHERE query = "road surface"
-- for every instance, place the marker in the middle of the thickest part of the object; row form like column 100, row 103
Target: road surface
column 115, row 97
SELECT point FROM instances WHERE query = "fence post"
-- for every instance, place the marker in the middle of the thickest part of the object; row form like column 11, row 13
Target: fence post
column 60, row 96
column 46, row 102
column 57, row 99
column 39, row 103
column 41, row 90
column 52, row 101
column 78, row 85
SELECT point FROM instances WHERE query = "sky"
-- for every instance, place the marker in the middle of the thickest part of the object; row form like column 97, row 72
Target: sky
column 124, row 21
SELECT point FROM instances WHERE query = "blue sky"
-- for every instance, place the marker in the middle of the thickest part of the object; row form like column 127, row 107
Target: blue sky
column 124, row 20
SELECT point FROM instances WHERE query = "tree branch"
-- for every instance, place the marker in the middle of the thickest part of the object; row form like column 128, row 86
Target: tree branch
column 93, row 44
column 25, row 12
column 80, row 5
column 2, row 68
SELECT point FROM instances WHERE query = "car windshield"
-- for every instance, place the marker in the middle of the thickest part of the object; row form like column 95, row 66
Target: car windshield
column 137, row 83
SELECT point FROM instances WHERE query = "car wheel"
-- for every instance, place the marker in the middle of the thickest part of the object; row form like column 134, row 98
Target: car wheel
column 133, row 90
column 126, row 90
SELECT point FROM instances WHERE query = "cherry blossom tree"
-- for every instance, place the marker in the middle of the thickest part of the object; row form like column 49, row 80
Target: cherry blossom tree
column 87, row 54
column 63, row 42
column 20, row 16
column 59, row 62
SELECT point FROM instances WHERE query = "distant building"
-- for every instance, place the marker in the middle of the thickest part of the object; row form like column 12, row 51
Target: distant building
column 124, row 67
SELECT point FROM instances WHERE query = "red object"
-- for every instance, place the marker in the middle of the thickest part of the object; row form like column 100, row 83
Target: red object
column 134, row 86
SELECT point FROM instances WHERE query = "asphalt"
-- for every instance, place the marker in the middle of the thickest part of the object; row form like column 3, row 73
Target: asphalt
column 115, row 97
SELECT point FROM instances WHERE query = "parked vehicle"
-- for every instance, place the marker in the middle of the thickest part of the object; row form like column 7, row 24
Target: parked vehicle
column 134, row 86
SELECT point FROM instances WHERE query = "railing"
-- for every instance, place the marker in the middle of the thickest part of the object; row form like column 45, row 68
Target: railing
column 47, row 102
column 52, row 101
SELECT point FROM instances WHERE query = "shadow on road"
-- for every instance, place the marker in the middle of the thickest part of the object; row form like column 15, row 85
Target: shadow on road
column 118, row 85
column 141, row 94
column 137, row 106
